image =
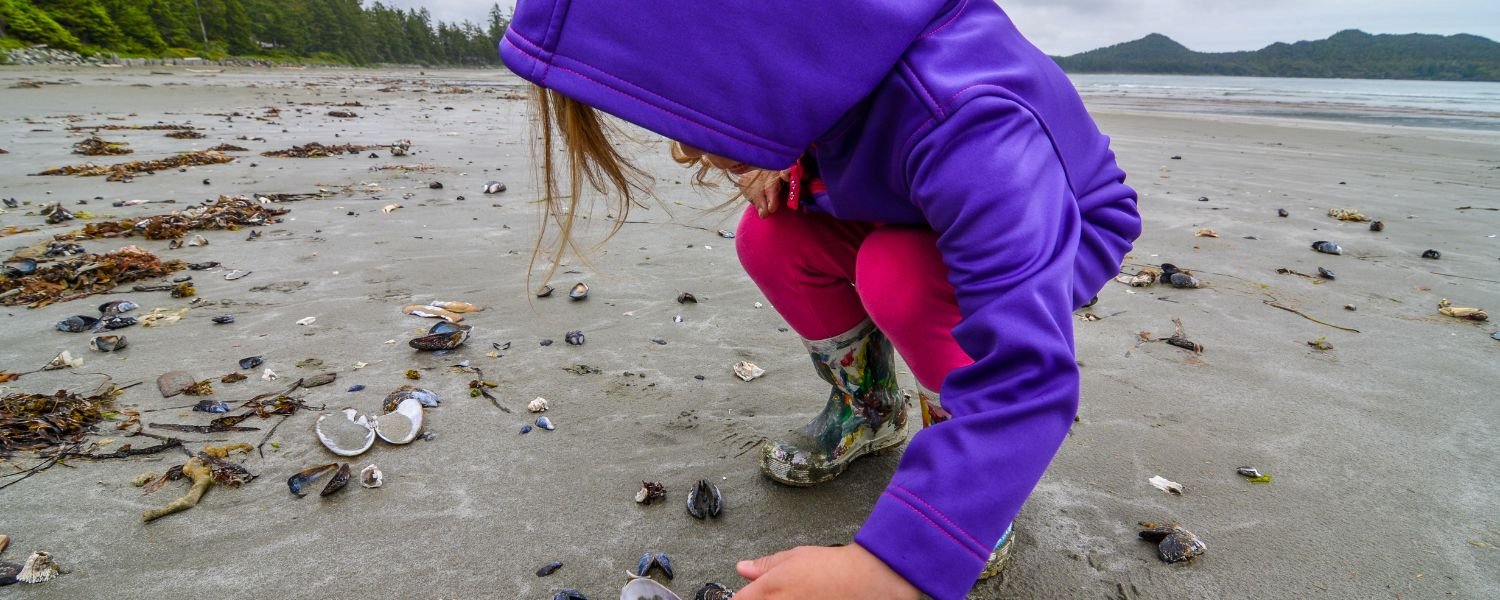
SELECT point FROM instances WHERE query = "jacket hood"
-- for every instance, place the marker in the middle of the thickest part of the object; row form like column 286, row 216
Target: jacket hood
column 755, row 81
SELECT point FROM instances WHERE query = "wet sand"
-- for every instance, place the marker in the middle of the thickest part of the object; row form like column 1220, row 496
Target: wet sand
column 1382, row 449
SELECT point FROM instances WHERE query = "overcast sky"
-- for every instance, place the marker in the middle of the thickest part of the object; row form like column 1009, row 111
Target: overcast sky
column 1070, row 26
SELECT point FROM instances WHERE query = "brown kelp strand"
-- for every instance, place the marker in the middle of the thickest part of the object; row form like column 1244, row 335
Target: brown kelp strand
column 84, row 276
column 156, row 127
column 125, row 171
column 95, row 146
column 186, row 134
column 41, row 421
column 316, row 150
column 228, row 212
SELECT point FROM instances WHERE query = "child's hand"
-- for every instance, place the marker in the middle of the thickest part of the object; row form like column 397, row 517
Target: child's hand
column 821, row 572
column 763, row 189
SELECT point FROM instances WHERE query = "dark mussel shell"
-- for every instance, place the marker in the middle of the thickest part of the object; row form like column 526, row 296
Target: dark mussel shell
column 704, row 500
column 117, row 307
column 1377, row 226
column 1432, row 254
column 212, row 406
column 687, row 298
column 442, row 341
column 8, row 573
column 77, row 324
column 340, row 479
column 1325, row 273
column 579, row 291
column 108, row 343
column 654, row 560
column 252, row 362
column 1281, row 212
column 301, row 480
column 428, row 398
column 548, row 569
column 443, row 327
column 569, row 594
column 713, row 591
column 113, row 323
column 1182, row 280
column 1327, row 247
column 545, row 423
column 57, row 249
column 544, row 292
column 20, row 268
column 224, row 319
column 203, row 266
column 574, row 338
column 1174, row 544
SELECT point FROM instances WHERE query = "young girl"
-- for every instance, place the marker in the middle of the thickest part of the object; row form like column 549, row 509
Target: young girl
column 962, row 189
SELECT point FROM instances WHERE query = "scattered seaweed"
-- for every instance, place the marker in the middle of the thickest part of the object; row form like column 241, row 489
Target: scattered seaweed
column 317, row 150
column 125, row 171
column 1178, row 339
column 228, row 148
column 156, row 127
column 186, row 134
column 95, row 146
column 84, row 276
column 41, row 421
column 227, row 213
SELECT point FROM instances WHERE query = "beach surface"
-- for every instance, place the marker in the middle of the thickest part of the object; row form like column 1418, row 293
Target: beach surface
column 1382, row 449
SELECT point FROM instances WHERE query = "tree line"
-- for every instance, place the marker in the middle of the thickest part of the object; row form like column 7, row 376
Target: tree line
column 344, row 31
column 1349, row 54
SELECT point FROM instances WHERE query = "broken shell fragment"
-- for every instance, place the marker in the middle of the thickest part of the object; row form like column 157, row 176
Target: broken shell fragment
column 236, row 274
column 108, row 343
column 39, row 567
column 457, row 306
column 1326, row 274
column 1327, row 247
column 401, row 425
column 687, row 298
column 545, row 423
column 1253, row 474
column 537, row 405
column 427, row 398
column 544, row 291
column 641, row 588
column 345, row 433
column 211, row 406
column 63, row 360
column 77, row 324
column 371, row 477
column 301, row 480
column 574, row 338
column 1432, row 254
column 433, row 312
column 307, row 321
column 579, row 291
column 1166, row 485
column 117, row 307
column 704, row 500
column 117, row 322
column 339, row 480
column 493, row 187
column 748, row 371
column 1144, row 278
column 651, row 491
column 447, row 340
column 1174, row 544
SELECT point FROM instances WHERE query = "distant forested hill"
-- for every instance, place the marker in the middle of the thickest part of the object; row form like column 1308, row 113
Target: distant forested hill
column 333, row 30
column 1348, row 54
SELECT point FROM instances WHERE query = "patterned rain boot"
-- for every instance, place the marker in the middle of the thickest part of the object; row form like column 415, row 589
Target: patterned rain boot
column 865, row 414
column 932, row 414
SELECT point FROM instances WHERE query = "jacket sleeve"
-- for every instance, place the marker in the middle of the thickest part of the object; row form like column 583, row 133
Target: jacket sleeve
column 990, row 182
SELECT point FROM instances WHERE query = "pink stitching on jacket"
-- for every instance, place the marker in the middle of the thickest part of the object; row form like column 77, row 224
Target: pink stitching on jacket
column 950, row 21
column 926, row 93
column 938, row 527
column 938, row 513
column 753, row 139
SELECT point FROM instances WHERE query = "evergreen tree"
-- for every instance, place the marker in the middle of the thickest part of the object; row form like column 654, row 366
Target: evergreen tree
column 87, row 20
column 134, row 20
column 18, row 18
column 238, row 31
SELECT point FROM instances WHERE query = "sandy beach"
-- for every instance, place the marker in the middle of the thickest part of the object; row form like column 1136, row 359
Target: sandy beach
column 1382, row 449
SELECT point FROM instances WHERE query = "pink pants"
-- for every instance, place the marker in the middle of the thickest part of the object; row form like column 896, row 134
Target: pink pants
column 825, row 276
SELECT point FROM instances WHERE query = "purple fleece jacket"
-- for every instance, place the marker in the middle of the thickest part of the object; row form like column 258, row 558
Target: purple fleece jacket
column 924, row 112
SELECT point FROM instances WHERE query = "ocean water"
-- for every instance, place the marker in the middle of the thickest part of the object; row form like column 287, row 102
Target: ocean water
column 1446, row 104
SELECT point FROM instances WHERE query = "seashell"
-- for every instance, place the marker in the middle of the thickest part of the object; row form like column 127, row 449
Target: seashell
column 1182, row 280
column 212, row 406
column 572, row 594
column 574, row 338
column 1253, row 474
column 545, row 423
column 1377, row 226
column 1145, row 278
column 645, row 589
column 268, row 375
column 546, row 343
column 401, row 425
column 223, row 319
column 659, row 341
column 198, row 240
column 321, row 379
column 236, row 274
column 356, row 388
column 704, row 500
column 117, row 307
column 653, row 560
column 371, row 477
column 114, row 323
column 298, row 482
column 1326, row 274
column 442, row 341
column 651, row 491
column 538, row 405
column 548, row 569
column 63, row 360
column 1174, row 544
column 579, row 291
column 544, row 291
column 1281, row 212
column 726, row 234
column 339, row 480
column 251, row 362
column 432, row 312
column 39, row 567
column 307, row 321
column 442, row 327
column 494, row 187
column 1327, row 248
column 1432, row 254
column 1347, row 214
column 713, row 591
column 687, row 298
column 345, row 433
column 234, row 378
column 457, row 306
column 108, row 343
column 8, row 573
column 427, row 398
column 748, row 371
column 77, row 324
column 1166, row 485
column 390, row 208
column 525, row 429
column 173, row 383
column 20, row 268
column 203, row 266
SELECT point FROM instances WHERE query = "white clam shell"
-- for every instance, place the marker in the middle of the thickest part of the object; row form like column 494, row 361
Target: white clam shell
column 641, row 588
column 340, row 438
column 402, row 425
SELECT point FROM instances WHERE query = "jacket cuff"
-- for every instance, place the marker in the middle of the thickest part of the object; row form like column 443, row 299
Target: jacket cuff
column 922, row 546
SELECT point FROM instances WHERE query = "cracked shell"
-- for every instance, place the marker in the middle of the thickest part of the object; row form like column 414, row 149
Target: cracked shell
column 402, row 425
column 345, row 433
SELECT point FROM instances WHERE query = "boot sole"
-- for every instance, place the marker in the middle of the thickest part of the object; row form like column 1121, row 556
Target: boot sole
column 810, row 476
